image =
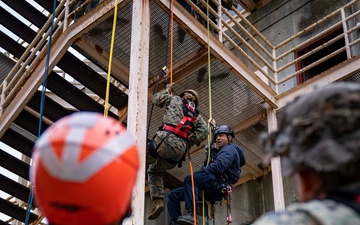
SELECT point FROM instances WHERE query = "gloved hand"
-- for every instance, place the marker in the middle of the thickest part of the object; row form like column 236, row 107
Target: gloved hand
column 170, row 87
column 212, row 122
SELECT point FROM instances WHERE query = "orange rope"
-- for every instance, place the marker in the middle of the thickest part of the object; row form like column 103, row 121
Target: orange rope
column 171, row 81
column 193, row 189
column 171, row 38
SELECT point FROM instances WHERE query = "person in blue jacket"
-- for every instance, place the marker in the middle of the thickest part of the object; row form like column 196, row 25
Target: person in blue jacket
column 224, row 168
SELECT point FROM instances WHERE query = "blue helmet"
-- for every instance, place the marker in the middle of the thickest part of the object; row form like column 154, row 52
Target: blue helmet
column 224, row 129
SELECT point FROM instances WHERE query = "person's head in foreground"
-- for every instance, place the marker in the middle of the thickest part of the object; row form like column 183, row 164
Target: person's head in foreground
column 84, row 169
column 318, row 140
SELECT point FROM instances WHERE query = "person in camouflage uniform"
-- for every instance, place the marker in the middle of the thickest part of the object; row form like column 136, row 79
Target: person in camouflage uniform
column 319, row 144
column 169, row 145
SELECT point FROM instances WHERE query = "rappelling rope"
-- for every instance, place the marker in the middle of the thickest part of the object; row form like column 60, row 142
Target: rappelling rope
column 42, row 102
column 169, row 49
column 209, row 80
column 106, row 105
column 210, row 103
column 171, row 39
column 170, row 73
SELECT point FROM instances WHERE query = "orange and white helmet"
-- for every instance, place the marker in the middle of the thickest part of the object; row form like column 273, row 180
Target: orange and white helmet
column 84, row 169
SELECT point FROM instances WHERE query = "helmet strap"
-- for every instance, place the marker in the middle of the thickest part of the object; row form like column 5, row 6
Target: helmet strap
column 229, row 141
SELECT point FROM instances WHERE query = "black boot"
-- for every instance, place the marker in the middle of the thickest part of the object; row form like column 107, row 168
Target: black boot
column 157, row 209
column 188, row 219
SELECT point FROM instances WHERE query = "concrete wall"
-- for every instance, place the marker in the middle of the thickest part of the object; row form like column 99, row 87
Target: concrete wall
column 281, row 19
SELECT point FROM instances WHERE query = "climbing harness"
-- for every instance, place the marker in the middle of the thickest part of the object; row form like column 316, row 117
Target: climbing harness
column 186, row 124
column 227, row 195
column 181, row 130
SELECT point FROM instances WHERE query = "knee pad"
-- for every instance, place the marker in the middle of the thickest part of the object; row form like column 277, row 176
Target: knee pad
column 152, row 148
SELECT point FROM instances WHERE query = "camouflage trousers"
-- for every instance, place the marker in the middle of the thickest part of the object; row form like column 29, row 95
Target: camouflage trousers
column 170, row 151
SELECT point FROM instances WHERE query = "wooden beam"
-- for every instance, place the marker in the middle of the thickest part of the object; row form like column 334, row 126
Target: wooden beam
column 250, row 121
column 253, row 169
column 119, row 70
column 248, row 5
column 122, row 113
column 184, row 68
column 276, row 172
column 190, row 64
column 244, row 179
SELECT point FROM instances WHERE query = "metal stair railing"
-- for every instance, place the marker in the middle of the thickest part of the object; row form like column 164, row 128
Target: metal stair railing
column 30, row 59
column 275, row 61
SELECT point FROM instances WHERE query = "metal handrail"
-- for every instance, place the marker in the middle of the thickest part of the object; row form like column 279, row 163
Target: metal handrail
column 14, row 80
column 259, row 50
column 18, row 75
column 342, row 23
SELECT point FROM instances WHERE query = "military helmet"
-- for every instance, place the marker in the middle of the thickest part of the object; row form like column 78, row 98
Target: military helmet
column 193, row 92
column 319, row 131
column 224, row 129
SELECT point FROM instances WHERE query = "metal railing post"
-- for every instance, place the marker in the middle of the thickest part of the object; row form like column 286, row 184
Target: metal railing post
column 275, row 73
column 2, row 99
column 220, row 22
column 346, row 35
column 67, row 5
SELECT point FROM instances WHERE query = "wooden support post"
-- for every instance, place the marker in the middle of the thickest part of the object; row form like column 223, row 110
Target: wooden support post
column 276, row 166
column 138, row 100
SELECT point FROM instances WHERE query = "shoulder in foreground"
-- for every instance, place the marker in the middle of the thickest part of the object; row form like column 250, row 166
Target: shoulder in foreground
column 314, row 212
column 283, row 218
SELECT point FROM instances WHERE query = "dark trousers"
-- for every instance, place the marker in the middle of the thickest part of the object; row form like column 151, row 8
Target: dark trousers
column 203, row 181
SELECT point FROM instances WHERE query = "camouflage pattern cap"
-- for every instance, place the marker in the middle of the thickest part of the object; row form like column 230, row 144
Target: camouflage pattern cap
column 319, row 130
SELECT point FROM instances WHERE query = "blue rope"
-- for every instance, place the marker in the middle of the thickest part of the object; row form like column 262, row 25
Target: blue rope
column 42, row 101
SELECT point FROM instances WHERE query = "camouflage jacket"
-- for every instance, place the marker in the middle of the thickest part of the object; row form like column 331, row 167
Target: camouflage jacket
column 173, row 114
column 315, row 212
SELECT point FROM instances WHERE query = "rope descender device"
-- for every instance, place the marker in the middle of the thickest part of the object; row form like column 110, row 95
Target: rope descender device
column 165, row 72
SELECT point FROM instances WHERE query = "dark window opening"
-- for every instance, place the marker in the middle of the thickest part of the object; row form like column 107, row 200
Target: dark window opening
column 327, row 64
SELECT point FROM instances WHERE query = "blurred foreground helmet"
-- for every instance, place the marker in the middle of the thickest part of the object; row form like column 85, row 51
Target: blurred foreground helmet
column 224, row 129
column 84, row 169
column 194, row 93
column 320, row 130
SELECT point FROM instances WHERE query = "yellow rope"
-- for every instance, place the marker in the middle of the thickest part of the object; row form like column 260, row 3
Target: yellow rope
column 106, row 106
column 210, row 102
column 209, row 78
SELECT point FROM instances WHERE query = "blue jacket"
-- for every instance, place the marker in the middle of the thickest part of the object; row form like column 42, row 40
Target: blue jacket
column 227, row 163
